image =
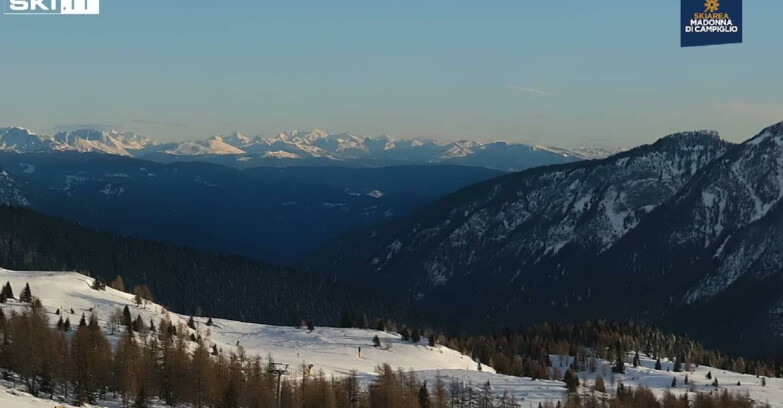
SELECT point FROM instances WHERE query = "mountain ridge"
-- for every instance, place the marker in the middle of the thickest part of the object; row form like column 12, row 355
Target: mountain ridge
column 298, row 148
column 683, row 227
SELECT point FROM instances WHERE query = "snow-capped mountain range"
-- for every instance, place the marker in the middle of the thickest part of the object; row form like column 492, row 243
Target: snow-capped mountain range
column 21, row 140
column 688, row 228
column 291, row 148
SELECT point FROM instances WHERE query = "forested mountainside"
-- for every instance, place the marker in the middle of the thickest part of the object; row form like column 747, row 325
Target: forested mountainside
column 683, row 232
column 273, row 214
column 183, row 279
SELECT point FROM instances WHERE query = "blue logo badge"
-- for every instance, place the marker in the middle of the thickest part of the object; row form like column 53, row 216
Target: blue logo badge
column 710, row 22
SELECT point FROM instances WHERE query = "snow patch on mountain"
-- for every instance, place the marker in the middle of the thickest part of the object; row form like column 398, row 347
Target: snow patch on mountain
column 213, row 145
column 10, row 192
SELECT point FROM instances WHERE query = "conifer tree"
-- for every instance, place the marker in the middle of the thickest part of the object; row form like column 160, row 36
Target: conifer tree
column 441, row 399
column 26, row 296
column 91, row 359
column 141, row 294
column 415, row 336
column 405, row 333
column 98, row 284
column 142, row 401
column 636, row 360
column 8, row 293
column 118, row 284
column 127, row 319
column 126, row 365
column 619, row 365
column 600, row 386
column 424, row 396
column 658, row 365
column 571, row 381
column 138, row 325
column 192, row 323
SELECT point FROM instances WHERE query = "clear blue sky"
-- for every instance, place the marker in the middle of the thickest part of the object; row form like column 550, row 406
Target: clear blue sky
column 557, row 72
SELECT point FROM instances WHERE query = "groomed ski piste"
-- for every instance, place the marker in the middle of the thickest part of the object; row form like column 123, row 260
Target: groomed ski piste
column 335, row 351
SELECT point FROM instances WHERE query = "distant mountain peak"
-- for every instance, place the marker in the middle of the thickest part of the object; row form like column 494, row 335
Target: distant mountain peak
column 769, row 132
column 111, row 142
column 694, row 136
column 237, row 139
column 291, row 146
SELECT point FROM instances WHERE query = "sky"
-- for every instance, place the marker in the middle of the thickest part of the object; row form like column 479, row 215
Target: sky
column 557, row 72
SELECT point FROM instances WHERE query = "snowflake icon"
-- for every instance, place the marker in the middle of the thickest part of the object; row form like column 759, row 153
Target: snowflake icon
column 711, row 6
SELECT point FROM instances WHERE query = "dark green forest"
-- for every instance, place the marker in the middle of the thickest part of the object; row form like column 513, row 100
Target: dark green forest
column 185, row 280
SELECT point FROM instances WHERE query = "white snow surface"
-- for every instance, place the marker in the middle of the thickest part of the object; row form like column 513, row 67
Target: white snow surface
column 331, row 350
column 660, row 381
column 335, row 350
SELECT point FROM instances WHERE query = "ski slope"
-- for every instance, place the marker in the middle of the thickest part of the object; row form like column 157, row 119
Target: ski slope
column 333, row 351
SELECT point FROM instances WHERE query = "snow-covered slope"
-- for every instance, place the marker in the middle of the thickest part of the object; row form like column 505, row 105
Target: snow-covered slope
column 19, row 140
column 660, row 381
column 333, row 350
column 112, row 142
